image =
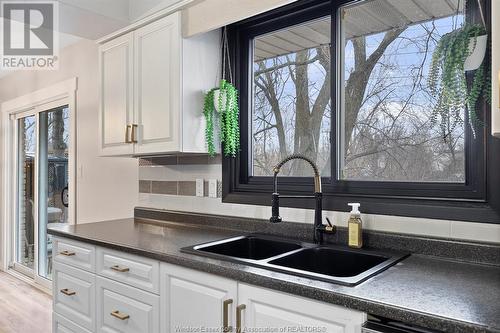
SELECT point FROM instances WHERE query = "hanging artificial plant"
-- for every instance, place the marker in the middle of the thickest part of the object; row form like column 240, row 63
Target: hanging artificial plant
column 222, row 112
column 447, row 79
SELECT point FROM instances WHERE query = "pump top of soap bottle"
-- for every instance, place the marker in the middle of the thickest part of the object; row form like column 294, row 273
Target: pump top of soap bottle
column 355, row 208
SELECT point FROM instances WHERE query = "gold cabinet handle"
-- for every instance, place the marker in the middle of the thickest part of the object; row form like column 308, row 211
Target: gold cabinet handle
column 68, row 292
column 134, row 133
column 119, row 315
column 239, row 310
column 67, row 253
column 120, row 269
column 127, row 134
column 225, row 317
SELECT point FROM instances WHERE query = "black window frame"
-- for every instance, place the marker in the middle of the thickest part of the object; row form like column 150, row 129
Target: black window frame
column 475, row 200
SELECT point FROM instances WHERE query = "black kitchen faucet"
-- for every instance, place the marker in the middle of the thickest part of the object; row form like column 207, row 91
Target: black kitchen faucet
column 319, row 227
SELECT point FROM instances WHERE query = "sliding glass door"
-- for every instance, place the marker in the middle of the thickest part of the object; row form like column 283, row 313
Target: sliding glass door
column 25, row 228
column 53, row 179
column 42, row 186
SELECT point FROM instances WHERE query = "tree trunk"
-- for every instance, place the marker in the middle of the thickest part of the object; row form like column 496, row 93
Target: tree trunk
column 269, row 90
column 304, row 137
column 58, row 144
column 355, row 87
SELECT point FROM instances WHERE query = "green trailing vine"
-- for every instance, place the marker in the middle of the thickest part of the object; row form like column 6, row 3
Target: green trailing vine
column 209, row 112
column 447, row 79
column 226, row 118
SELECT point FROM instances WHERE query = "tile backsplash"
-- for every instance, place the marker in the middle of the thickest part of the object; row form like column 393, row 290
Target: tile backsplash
column 176, row 175
column 169, row 182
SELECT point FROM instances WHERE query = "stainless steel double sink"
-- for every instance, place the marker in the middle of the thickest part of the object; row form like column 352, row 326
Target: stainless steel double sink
column 336, row 264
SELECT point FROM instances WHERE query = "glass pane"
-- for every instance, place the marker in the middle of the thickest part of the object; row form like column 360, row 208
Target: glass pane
column 25, row 243
column 291, row 98
column 53, row 180
column 387, row 128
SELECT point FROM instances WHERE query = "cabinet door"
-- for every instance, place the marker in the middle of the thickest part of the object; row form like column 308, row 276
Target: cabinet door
column 193, row 301
column 116, row 96
column 272, row 311
column 157, row 86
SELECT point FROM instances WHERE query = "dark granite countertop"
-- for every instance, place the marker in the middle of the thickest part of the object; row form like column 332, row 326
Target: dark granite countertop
column 435, row 293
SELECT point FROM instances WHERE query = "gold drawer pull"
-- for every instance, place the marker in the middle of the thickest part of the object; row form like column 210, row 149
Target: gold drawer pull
column 134, row 133
column 120, row 269
column 225, row 320
column 67, row 253
column 239, row 310
column 119, row 315
column 127, row 134
column 68, row 292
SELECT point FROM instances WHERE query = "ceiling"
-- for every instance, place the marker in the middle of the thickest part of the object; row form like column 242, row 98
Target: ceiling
column 293, row 39
column 381, row 15
column 369, row 17
column 93, row 19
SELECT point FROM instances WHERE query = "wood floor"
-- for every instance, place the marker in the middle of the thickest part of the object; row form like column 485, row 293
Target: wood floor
column 23, row 308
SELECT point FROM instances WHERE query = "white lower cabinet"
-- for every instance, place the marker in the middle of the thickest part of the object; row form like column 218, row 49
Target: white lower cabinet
column 74, row 295
column 61, row 324
column 121, row 308
column 132, row 294
column 264, row 310
column 136, row 271
column 73, row 253
column 193, row 301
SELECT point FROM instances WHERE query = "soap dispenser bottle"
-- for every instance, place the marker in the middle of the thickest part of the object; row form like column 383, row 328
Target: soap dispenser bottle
column 355, row 228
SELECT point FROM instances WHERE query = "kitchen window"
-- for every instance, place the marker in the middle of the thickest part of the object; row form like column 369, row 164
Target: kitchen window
column 346, row 84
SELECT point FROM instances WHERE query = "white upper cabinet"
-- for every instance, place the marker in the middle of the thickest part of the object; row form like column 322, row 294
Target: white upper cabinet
column 157, row 89
column 116, row 95
column 152, row 84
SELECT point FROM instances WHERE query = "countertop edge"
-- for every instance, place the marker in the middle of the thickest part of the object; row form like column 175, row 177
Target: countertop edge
column 355, row 303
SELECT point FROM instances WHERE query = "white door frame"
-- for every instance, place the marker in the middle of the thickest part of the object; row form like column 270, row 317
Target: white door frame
column 62, row 93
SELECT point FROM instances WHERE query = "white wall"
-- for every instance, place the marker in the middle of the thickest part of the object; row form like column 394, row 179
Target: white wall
column 106, row 187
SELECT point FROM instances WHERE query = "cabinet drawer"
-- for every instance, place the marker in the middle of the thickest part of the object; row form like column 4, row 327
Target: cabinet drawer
column 61, row 324
column 134, row 270
column 74, row 295
column 74, row 253
column 121, row 308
